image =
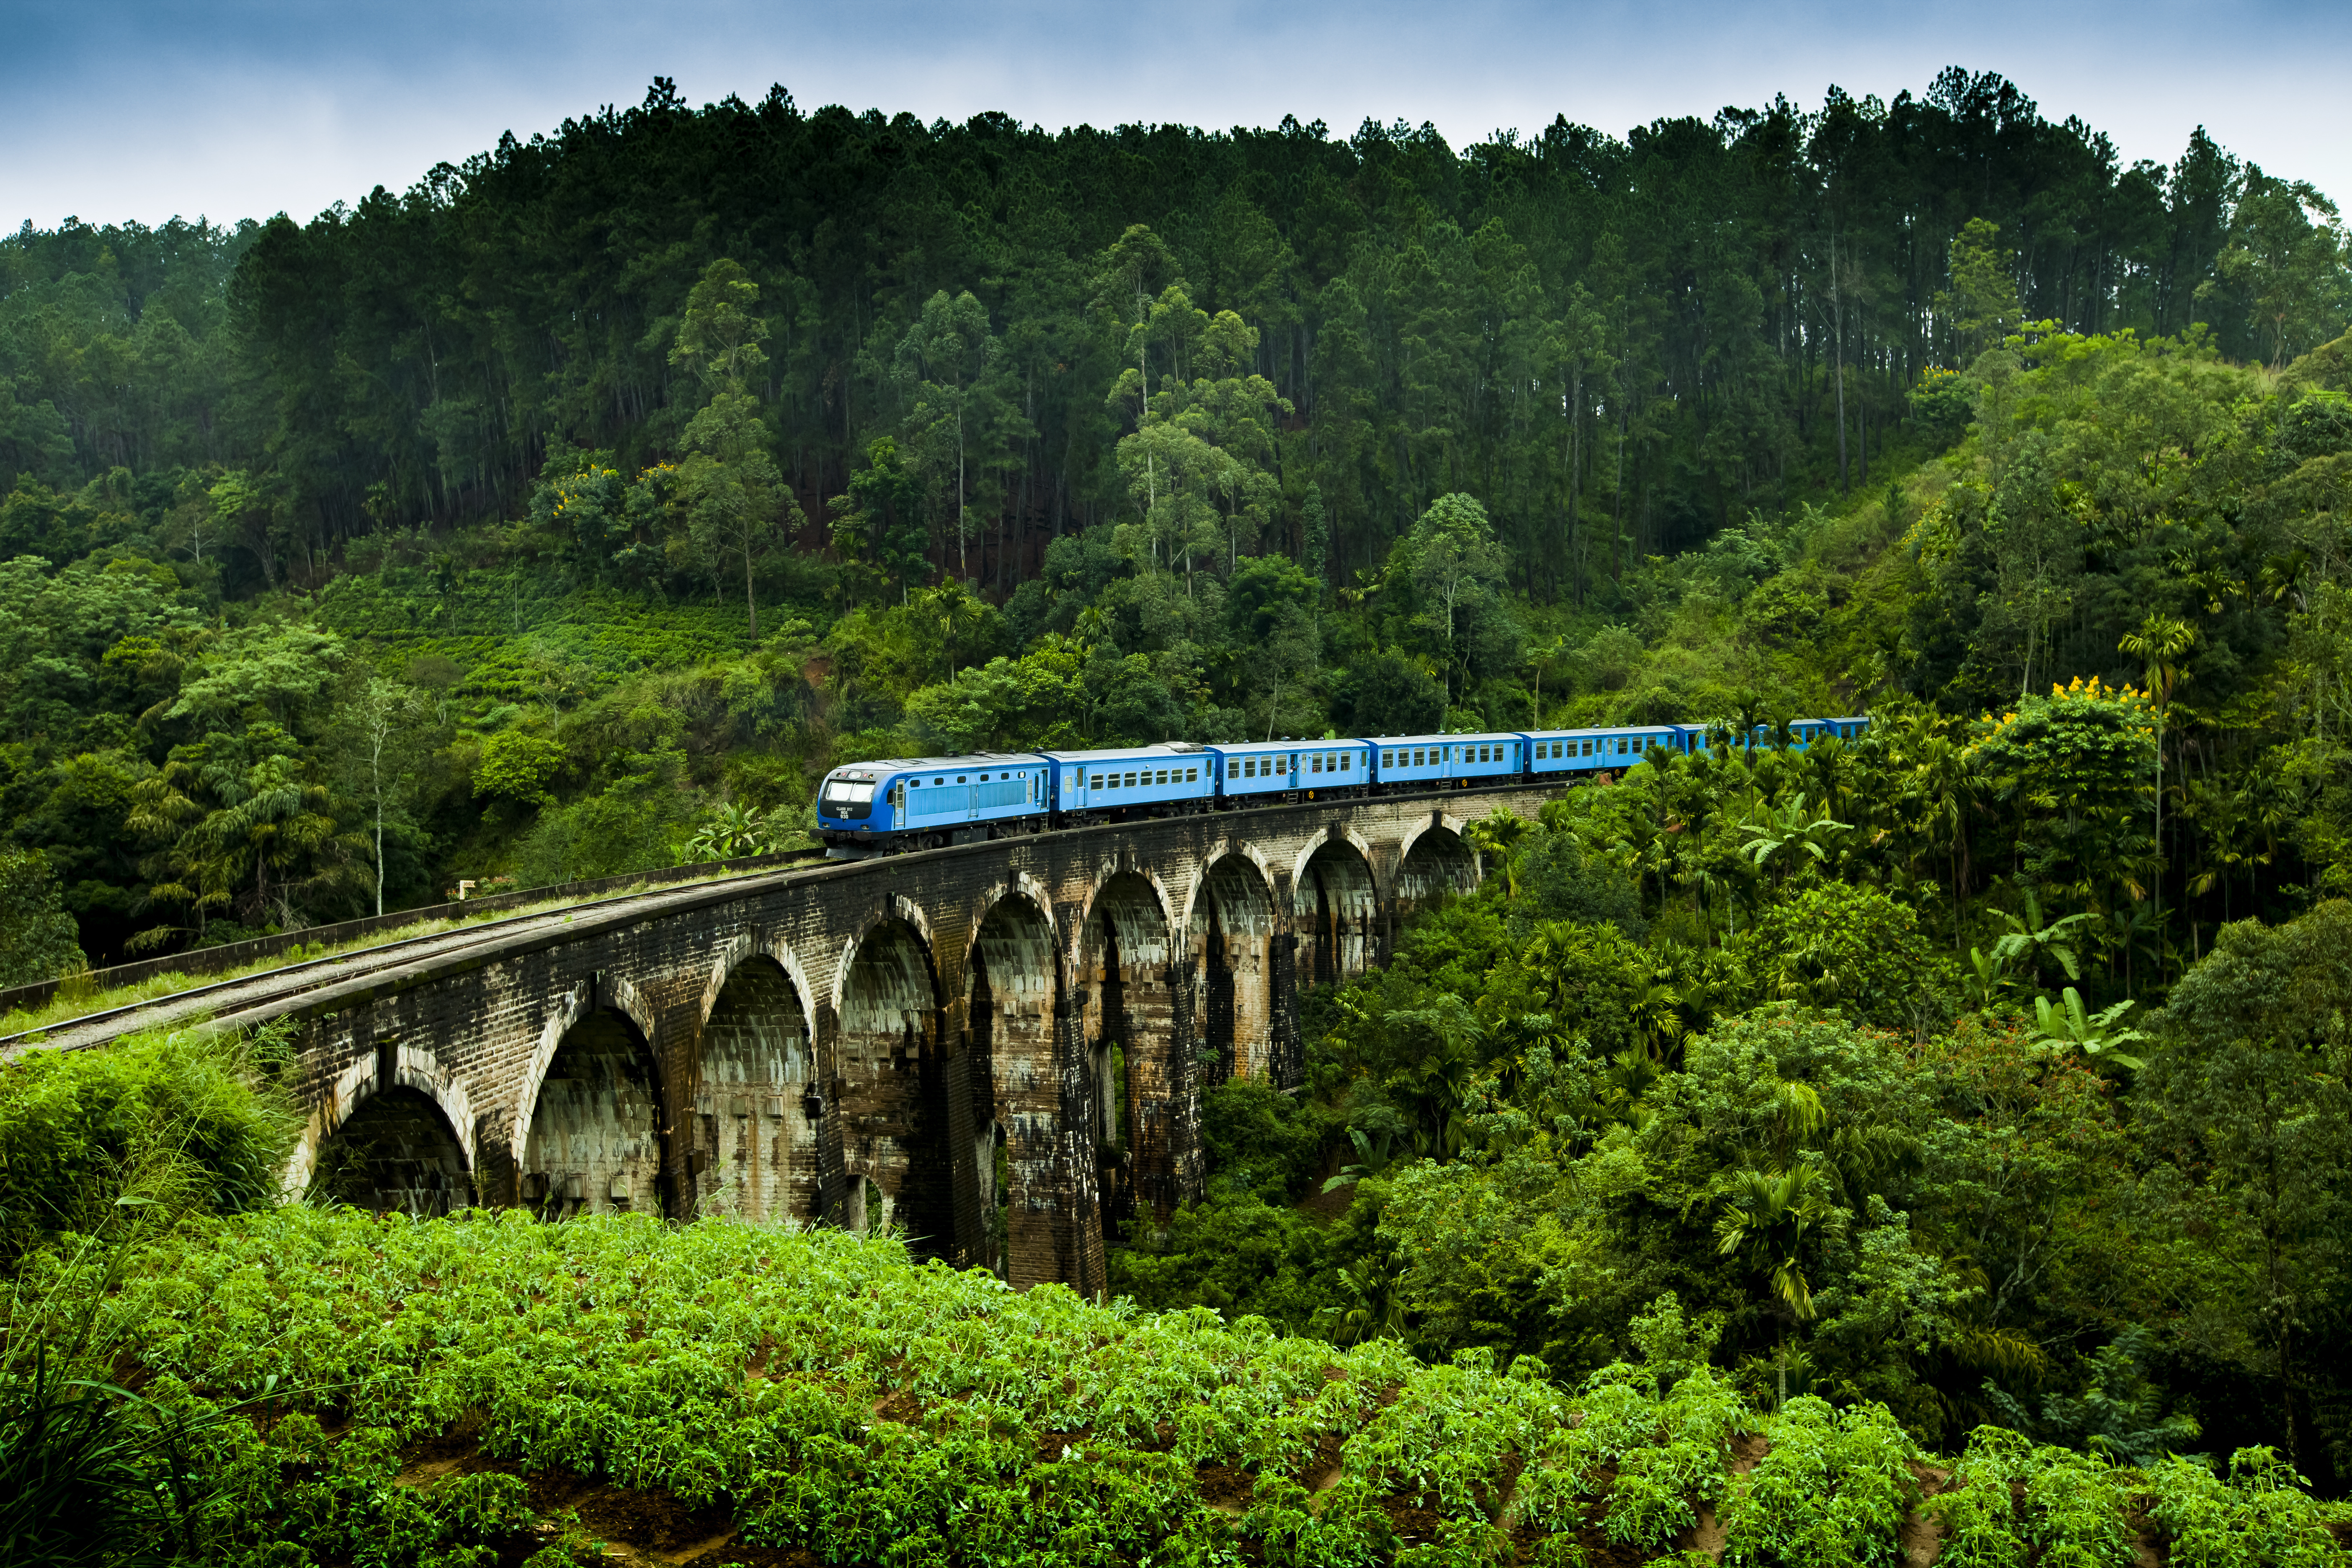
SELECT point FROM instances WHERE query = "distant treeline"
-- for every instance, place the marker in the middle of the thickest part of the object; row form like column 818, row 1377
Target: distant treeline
column 1619, row 345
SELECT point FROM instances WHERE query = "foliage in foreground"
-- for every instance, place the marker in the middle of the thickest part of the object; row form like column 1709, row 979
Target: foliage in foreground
column 838, row 1398
column 186, row 1119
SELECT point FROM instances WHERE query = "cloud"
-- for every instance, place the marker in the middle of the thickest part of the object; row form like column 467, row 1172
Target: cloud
column 141, row 111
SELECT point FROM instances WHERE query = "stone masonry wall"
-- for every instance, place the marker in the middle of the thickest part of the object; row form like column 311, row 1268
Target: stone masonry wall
column 790, row 1039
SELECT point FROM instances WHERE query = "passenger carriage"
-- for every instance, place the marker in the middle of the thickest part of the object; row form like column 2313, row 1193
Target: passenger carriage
column 1446, row 762
column 1277, row 769
column 1598, row 751
column 1130, row 780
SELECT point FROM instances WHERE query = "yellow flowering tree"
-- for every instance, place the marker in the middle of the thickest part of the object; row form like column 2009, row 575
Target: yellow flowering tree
column 2073, row 769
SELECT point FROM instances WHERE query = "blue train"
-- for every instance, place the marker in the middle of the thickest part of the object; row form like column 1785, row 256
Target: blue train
column 907, row 803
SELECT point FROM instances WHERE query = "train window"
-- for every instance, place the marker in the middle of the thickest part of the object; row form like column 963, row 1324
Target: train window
column 1281, row 765
column 1348, row 762
column 1163, row 776
column 1192, row 776
column 1130, row 780
column 1314, row 763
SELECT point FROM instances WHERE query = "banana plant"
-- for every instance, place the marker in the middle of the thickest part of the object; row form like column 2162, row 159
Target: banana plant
column 1373, row 1156
column 2028, row 939
column 1990, row 976
column 734, row 832
column 2094, row 1033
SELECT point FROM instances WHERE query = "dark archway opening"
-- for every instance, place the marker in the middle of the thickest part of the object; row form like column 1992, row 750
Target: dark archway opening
column 754, row 1149
column 396, row 1154
column 595, row 1144
column 1147, row 1137
column 1337, row 911
column 1439, row 866
column 1235, row 951
column 1023, row 1231
column 889, row 1100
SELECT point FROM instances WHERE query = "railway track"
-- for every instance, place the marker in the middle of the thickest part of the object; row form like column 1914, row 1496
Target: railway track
column 289, row 982
column 292, row 980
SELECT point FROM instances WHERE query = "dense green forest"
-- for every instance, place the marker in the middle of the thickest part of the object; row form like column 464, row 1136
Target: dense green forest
column 430, row 540
column 1977, row 1090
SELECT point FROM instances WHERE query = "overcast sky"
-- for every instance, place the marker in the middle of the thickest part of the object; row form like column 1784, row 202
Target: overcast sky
column 115, row 111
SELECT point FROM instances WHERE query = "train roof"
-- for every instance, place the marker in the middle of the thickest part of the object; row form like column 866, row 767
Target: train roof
column 880, row 765
column 1285, row 744
column 1444, row 740
column 1162, row 749
column 1606, row 730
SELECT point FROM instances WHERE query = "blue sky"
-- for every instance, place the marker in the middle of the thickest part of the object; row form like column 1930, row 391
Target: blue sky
column 117, row 110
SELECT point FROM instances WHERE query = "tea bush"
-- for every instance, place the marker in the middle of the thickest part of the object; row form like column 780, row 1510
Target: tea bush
column 840, row 1399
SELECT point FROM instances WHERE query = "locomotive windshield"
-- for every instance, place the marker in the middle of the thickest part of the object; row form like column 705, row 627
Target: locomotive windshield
column 852, row 798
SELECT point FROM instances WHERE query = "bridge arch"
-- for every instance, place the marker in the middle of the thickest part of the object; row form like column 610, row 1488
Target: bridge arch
column 887, row 1096
column 1434, row 859
column 1012, row 979
column 405, row 1145
column 1335, row 910
column 751, row 1147
column 1146, row 1111
column 1229, row 937
column 589, row 1122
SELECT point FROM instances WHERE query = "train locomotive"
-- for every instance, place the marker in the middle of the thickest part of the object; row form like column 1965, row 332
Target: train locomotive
column 908, row 802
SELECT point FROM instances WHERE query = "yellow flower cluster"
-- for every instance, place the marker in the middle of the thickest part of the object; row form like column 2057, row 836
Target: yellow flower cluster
column 2092, row 688
column 563, row 490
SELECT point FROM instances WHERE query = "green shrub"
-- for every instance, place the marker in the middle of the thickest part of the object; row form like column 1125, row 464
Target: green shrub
column 1831, row 1491
column 2013, row 1502
column 39, row 941
column 2259, row 1516
column 920, row 1415
column 187, row 1118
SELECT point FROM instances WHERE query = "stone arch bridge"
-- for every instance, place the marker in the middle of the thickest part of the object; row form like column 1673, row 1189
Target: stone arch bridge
column 999, row 1047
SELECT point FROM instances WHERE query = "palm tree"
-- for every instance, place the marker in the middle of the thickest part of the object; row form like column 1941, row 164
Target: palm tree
column 1764, row 1219
column 1946, row 790
column 1789, row 832
column 2160, row 644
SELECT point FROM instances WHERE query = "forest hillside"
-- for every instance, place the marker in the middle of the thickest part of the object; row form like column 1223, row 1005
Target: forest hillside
column 1809, row 1156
